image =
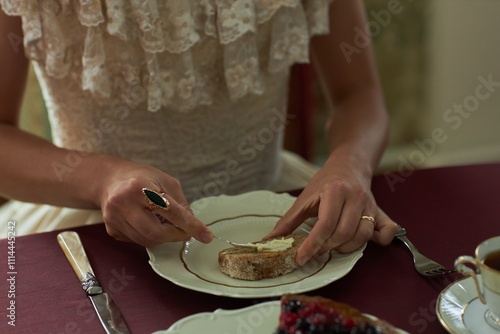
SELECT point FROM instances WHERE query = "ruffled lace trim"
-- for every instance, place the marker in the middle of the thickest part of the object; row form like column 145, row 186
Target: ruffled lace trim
column 167, row 32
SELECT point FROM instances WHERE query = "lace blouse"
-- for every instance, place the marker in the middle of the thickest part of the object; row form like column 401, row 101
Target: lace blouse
column 197, row 88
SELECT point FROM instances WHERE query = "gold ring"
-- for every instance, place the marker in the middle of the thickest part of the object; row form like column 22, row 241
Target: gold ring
column 156, row 200
column 369, row 218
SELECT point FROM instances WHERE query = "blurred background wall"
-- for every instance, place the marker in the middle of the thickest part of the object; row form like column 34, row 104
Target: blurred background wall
column 463, row 54
column 448, row 48
column 432, row 57
column 34, row 114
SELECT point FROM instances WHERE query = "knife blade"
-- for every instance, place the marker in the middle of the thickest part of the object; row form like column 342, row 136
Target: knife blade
column 107, row 311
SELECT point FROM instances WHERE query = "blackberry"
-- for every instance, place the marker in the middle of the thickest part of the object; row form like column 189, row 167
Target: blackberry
column 365, row 329
column 293, row 306
column 340, row 329
column 317, row 329
column 372, row 330
column 303, row 325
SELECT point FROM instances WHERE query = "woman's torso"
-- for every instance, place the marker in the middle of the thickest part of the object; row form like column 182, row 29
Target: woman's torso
column 196, row 88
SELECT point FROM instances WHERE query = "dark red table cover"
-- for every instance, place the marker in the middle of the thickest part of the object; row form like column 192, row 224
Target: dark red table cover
column 447, row 212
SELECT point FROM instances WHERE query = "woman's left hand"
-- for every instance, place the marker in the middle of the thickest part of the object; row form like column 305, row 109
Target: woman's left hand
column 339, row 195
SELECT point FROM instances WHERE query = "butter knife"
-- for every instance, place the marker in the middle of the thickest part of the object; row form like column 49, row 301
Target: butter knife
column 106, row 309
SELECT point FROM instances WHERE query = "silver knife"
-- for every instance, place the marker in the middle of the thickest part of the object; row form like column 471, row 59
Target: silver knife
column 106, row 309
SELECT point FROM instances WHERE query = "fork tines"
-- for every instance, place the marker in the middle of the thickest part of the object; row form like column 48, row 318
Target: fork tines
column 438, row 271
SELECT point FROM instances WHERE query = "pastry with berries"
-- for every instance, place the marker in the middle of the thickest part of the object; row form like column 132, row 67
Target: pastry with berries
column 301, row 314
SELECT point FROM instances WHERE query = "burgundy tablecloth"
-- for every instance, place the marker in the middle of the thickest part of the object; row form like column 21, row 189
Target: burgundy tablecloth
column 446, row 211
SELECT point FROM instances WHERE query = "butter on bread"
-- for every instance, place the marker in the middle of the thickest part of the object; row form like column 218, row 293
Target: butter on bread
column 252, row 265
column 273, row 245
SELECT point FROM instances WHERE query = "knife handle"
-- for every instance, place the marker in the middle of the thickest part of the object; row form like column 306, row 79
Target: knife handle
column 75, row 253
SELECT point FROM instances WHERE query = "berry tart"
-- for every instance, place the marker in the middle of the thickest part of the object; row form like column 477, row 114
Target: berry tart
column 301, row 314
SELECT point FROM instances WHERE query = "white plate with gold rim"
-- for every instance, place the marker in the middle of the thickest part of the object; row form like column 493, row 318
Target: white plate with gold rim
column 242, row 218
column 261, row 318
column 460, row 311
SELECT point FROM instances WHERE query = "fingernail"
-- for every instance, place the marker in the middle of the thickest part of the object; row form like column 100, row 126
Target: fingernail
column 303, row 259
column 206, row 237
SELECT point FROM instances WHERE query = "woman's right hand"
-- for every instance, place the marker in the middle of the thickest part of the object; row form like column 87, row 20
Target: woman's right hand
column 112, row 184
column 128, row 216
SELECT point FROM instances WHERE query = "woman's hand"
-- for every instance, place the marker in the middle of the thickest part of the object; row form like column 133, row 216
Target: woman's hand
column 357, row 131
column 339, row 195
column 129, row 217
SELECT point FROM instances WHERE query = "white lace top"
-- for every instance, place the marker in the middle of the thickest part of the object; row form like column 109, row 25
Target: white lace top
column 196, row 88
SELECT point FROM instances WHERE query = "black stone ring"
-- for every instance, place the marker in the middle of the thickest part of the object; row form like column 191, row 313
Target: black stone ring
column 156, row 200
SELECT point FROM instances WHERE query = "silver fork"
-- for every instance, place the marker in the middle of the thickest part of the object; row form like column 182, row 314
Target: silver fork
column 423, row 264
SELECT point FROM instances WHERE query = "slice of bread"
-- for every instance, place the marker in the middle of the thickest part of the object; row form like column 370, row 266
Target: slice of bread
column 252, row 265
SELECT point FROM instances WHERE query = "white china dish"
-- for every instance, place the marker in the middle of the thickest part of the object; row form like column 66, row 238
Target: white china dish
column 261, row 318
column 460, row 311
column 242, row 218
